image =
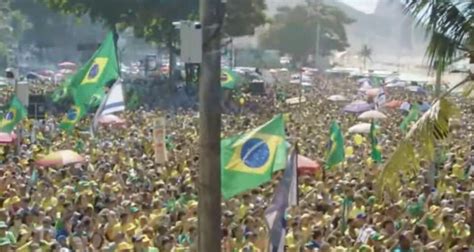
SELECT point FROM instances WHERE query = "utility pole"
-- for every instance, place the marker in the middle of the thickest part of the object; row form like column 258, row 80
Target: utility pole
column 209, row 182
column 318, row 32
column 316, row 51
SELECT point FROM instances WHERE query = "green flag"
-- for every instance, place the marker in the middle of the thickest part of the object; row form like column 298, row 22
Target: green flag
column 73, row 115
column 412, row 116
column 335, row 153
column 62, row 91
column 101, row 69
column 16, row 112
column 248, row 160
column 229, row 79
column 376, row 153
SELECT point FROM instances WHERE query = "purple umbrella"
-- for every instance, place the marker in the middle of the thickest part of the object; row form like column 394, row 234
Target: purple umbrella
column 357, row 107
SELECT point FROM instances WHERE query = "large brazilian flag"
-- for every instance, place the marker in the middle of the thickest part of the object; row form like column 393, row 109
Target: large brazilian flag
column 248, row 160
column 101, row 69
column 87, row 85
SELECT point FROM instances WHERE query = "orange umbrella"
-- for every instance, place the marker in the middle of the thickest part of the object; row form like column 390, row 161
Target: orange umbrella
column 393, row 104
column 62, row 157
column 307, row 166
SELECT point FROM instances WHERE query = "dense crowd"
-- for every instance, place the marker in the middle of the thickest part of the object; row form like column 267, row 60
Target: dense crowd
column 120, row 200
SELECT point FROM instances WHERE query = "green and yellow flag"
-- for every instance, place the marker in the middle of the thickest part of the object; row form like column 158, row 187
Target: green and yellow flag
column 72, row 116
column 248, row 160
column 15, row 113
column 62, row 91
column 376, row 150
column 229, row 79
column 412, row 116
column 101, row 69
column 335, row 153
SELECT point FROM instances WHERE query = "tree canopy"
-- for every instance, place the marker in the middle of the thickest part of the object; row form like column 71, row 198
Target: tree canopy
column 152, row 19
column 293, row 30
column 12, row 26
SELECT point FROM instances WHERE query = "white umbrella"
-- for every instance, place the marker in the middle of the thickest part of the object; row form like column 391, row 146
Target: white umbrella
column 360, row 128
column 337, row 98
column 372, row 114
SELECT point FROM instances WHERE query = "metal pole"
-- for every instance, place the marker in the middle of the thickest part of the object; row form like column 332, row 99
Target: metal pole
column 209, row 184
column 316, row 51
column 318, row 32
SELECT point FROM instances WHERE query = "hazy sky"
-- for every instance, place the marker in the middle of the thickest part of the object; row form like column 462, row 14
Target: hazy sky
column 367, row 6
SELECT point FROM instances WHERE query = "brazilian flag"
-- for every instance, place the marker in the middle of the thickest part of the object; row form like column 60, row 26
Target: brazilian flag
column 72, row 116
column 376, row 152
column 335, row 154
column 101, row 69
column 62, row 91
column 229, row 79
column 13, row 116
column 248, row 160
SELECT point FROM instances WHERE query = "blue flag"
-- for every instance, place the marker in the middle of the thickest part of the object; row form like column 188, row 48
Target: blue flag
column 286, row 195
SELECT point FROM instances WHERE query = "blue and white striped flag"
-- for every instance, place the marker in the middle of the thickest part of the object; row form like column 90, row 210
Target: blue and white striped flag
column 286, row 194
column 113, row 102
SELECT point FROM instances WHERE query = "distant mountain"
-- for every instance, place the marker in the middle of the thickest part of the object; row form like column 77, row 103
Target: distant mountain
column 388, row 31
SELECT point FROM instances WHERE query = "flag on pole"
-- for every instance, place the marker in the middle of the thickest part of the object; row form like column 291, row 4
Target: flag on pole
column 16, row 112
column 72, row 116
column 412, row 116
column 286, row 195
column 376, row 153
column 335, row 153
column 101, row 69
column 380, row 99
column 113, row 102
column 62, row 91
column 249, row 160
column 229, row 79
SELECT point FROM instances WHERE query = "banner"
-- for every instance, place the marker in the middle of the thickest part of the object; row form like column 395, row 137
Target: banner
column 159, row 133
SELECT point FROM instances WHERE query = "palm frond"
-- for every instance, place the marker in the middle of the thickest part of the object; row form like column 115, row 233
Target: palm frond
column 449, row 25
column 401, row 164
column 468, row 89
column 432, row 126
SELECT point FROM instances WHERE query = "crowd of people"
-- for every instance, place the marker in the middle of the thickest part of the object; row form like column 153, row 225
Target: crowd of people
column 121, row 200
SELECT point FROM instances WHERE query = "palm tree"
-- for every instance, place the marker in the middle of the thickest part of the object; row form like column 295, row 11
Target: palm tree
column 366, row 54
column 449, row 24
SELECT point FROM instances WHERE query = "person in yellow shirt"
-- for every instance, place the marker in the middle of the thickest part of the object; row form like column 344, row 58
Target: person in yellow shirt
column 358, row 207
column 250, row 246
column 244, row 207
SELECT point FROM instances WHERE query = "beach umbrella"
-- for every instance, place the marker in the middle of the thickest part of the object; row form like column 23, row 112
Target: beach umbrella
column 393, row 104
column 337, row 98
column 7, row 138
column 416, row 89
column 372, row 114
column 396, row 84
column 47, row 73
column 62, row 157
column 372, row 92
column 67, row 65
column 111, row 119
column 357, row 107
column 307, row 166
column 363, row 128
